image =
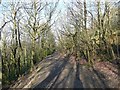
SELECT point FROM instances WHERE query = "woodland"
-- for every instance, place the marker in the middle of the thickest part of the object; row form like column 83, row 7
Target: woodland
column 31, row 31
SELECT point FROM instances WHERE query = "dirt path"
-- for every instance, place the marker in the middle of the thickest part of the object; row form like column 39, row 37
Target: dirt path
column 57, row 71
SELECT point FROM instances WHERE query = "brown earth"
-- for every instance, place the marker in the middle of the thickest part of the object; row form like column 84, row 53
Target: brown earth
column 61, row 71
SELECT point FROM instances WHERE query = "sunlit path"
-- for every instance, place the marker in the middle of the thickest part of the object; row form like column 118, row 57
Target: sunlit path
column 60, row 71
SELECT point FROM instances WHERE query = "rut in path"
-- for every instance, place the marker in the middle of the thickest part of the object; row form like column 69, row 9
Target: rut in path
column 58, row 71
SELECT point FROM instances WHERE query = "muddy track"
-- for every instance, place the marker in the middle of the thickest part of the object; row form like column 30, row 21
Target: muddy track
column 58, row 71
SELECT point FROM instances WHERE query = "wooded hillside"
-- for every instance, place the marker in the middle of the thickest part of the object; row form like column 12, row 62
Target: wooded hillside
column 30, row 31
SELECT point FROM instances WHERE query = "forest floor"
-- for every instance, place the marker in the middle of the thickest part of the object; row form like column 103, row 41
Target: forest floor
column 61, row 71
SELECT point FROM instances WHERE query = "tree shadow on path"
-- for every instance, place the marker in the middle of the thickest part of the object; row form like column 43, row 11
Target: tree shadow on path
column 77, row 81
column 55, row 71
